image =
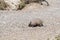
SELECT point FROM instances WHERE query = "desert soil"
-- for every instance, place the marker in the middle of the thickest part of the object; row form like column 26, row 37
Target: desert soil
column 14, row 24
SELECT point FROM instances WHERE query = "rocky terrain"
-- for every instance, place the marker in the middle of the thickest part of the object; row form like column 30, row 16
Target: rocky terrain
column 14, row 24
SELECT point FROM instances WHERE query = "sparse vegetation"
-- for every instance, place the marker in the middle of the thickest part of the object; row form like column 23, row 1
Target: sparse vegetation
column 21, row 6
column 3, row 5
column 57, row 37
column 36, row 1
column 24, row 2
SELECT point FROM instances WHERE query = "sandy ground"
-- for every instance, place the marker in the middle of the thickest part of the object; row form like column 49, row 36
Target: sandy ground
column 14, row 24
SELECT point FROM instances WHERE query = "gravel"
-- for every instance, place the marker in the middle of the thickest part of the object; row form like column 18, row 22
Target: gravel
column 14, row 24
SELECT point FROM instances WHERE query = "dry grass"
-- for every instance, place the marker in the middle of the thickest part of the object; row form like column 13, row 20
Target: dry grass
column 21, row 6
column 3, row 5
column 57, row 37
